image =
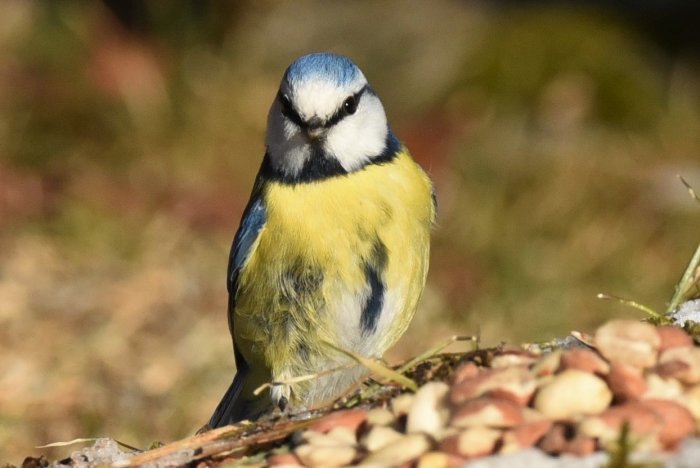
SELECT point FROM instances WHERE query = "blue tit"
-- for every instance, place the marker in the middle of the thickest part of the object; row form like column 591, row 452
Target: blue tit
column 332, row 250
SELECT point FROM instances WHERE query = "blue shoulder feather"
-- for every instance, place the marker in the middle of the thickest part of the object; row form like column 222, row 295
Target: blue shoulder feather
column 232, row 408
column 251, row 224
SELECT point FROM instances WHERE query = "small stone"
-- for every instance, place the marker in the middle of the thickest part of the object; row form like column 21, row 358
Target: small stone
column 572, row 393
column 584, row 360
column 351, row 419
column 311, row 455
column 634, row 343
column 343, row 435
column 662, row 388
column 513, row 357
column 581, row 446
column 548, row 364
column 488, row 411
column 524, row 435
column 465, row 371
column 439, row 460
column 562, row 439
column 405, row 449
column 644, row 424
column 532, row 415
column 626, row 382
column 401, row 405
column 378, row 437
column 319, row 439
column 287, row 460
column 380, row 417
column 554, row 441
column 672, row 369
column 678, row 421
column 304, row 437
column 673, row 337
column 691, row 399
column 473, row 442
column 689, row 371
column 429, row 412
column 515, row 383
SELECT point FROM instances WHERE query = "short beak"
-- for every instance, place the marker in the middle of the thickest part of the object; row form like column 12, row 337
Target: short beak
column 315, row 128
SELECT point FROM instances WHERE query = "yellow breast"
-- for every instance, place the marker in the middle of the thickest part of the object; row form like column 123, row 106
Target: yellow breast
column 305, row 280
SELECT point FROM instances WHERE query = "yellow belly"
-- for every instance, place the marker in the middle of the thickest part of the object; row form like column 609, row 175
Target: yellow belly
column 305, row 282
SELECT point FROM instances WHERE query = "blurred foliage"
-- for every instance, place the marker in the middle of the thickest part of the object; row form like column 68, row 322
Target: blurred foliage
column 130, row 134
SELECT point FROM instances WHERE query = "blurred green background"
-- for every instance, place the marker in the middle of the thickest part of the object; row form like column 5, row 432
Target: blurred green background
column 131, row 131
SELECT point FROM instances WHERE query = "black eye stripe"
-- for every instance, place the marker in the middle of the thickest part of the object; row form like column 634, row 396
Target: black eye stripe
column 341, row 113
column 289, row 111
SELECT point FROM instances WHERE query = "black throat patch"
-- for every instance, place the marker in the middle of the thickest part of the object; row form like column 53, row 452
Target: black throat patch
column 322, row 165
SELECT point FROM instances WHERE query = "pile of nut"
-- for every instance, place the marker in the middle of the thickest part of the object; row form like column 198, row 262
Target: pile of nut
column 572, row 401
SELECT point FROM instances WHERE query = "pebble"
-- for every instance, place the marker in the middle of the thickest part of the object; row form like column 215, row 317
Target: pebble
column 644, row 423
column 312, row 455
column 380, row 417
column 401, row 405
column 342, row 435
column 405, row 449
column 678, row 421
column 572, row 393
column 628, row 341
column 439, row 460
column 473, row 442
column 429, row 412
column 465, row 371
column 514, row 383
column 673, row 337
column 626, row 382
column 556, row 442
column 549, row 364
column 287, row 460
column 662, row 388
column 525, row 435
column 513, row 357
column 348, row 418
column 687, row 368
column 488, row 411
column 378, row 437
column 585, row 360
column 691, row 399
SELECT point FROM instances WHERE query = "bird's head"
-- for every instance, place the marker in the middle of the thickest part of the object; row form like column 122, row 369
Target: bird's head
column 325, row 113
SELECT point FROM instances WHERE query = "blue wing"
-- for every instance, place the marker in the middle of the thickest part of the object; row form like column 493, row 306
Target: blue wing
column 251, row 224
column 232, row 407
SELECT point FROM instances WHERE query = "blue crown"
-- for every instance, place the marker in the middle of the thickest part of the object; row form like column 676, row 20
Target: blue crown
column 332, row 67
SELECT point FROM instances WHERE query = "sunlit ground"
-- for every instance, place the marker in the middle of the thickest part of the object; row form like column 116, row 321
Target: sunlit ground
column 554, row 139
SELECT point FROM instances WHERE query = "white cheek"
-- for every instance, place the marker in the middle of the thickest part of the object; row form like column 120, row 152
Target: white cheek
column 359, row 137
column 287, row 148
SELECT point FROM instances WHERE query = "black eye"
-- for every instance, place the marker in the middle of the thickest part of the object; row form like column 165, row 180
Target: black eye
column 350, row 105
column 286, row 103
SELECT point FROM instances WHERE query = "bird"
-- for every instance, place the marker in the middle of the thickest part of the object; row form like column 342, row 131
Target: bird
column 333, row 246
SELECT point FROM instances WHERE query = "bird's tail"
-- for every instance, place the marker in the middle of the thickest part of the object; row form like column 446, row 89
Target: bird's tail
column 229, row 409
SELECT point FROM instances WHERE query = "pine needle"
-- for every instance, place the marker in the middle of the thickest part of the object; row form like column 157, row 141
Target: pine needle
column 82, row 441
column 692, row 192
column 379, row 368
column 686, row 282
column 629, row 302
column 434, row 351
column 301, row 378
